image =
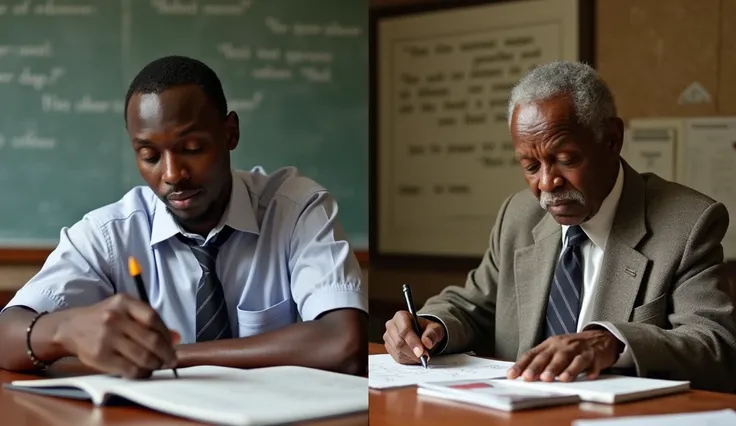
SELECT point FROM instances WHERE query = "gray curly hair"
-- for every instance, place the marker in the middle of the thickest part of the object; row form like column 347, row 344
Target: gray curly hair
column 591, row 97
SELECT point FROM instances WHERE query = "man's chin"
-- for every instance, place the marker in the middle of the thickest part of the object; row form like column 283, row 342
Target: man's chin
column 188, row 216
column 568, row 220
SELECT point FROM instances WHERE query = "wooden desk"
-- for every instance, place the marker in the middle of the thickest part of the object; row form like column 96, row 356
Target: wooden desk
column 24, row 409
column 403, row 407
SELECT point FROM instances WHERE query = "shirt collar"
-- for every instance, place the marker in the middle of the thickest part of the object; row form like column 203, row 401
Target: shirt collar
column 238, row 215
column 598, row 227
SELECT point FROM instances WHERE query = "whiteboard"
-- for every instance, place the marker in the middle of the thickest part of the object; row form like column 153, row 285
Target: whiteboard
column 445, row 158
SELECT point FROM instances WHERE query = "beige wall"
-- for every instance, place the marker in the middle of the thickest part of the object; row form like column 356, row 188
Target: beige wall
column 648, row 51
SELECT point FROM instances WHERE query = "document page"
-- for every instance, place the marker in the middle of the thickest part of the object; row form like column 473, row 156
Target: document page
column 384, row 372
column 704, row 418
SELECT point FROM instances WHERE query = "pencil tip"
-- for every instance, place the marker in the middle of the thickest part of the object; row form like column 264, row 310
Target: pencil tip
column 133, row 268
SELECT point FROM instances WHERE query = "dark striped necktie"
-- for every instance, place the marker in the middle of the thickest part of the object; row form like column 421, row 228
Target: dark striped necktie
column 213, row 321
column 563, row 306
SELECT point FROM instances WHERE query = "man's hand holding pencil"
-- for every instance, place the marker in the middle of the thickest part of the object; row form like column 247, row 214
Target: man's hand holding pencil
column 120, row 335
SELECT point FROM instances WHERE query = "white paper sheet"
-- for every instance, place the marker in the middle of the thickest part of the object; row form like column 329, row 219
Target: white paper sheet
column 710, row 155
column 704, row 418
column 384, row 372
column 655, row 145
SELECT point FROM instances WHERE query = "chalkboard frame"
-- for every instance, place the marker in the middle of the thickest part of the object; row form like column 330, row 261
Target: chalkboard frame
column 586, row 37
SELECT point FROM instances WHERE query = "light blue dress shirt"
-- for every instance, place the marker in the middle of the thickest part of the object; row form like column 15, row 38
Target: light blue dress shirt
column 288, row 260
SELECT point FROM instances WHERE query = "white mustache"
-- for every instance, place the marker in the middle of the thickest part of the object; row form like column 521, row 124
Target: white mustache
column 547, row 198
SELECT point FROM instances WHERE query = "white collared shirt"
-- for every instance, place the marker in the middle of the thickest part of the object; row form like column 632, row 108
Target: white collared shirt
column 288, row 259
column 597, row 229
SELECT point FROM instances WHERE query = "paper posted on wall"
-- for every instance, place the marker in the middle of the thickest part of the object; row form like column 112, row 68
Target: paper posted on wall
column 654, row 145
column 710, row 165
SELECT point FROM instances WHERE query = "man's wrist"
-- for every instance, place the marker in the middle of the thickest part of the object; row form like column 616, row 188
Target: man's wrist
column 617, row 344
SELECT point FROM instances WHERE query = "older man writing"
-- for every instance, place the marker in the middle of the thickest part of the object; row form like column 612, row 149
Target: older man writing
column 616, row 269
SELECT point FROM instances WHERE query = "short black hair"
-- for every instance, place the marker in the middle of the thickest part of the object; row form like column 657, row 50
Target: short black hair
column 171, row 71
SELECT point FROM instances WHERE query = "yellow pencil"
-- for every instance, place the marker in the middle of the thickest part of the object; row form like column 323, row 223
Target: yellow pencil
column 135, row 271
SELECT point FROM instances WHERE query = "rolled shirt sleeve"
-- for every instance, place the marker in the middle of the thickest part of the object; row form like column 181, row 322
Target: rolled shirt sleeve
column 325, row 274
column 76, row 273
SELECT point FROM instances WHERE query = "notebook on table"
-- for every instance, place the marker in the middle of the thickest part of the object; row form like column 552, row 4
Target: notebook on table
column 511, row 395
column 221, row 395
column 493, row 394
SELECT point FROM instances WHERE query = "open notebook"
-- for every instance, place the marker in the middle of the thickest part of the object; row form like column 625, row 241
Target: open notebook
column 221, row 395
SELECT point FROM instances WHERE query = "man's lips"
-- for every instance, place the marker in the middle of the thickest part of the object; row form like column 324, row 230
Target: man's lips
column 182, row 199
column 560, row 203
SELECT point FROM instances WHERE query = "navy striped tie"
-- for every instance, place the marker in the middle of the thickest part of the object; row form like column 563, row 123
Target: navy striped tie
column 563, row 306
column 213, row 321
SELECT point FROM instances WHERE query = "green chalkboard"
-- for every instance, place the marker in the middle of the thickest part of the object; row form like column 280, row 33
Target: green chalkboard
column 296, row 71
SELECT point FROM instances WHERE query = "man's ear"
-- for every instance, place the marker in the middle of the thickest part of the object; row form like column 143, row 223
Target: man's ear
column 232, row 130
column 615, row 135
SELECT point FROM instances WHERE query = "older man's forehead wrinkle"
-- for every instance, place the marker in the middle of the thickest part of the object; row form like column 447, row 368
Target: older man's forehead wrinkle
column 546, row 133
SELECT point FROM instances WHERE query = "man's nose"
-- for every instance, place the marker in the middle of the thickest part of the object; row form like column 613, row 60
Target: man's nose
column 174, row 169
column 550, row 180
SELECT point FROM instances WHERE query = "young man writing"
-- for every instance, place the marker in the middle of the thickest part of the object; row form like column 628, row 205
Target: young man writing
column 232, row 260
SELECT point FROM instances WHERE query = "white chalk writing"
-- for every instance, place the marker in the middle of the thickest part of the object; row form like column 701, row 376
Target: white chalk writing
column 50, row 8
column 191, row 8
column 30, row 141
column 296, row 57
column 271, row 73
column 92, row 106
column 246, row 104
column 2, row 141
column 292, row 57
column 85, row 105
column 317, row 75
column 276, row 26
column 44, row 50
column 6, row 77
column 268, row 54
column 233, row 52
column 337, row 30
column 175, row 7
column 39, row 80
column 3, row 9
column 22, row 8
column 51, row 103
column 239, row 8
column 302, row 29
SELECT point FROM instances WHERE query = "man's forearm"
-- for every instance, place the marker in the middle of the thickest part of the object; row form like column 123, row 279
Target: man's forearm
column 336, row 342
column 13, row 325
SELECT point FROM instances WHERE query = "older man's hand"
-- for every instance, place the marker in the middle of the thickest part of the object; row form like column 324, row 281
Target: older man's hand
column 566, row 356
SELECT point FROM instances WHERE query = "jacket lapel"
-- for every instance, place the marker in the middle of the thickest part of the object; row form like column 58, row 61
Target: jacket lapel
column 623, row 266
column 621, row 273
column 533, row 269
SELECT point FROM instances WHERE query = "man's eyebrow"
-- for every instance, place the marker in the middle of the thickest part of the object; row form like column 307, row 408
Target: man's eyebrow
column 144, row 142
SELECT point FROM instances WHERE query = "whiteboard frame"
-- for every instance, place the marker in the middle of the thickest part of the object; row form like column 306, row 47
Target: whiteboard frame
column 586, row 13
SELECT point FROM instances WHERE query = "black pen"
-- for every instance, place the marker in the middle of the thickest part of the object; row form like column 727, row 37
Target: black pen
column 413, row 312
column 135, row 271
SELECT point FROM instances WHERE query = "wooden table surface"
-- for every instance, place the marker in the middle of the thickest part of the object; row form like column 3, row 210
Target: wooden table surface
column 25, row 409
column 403, row 407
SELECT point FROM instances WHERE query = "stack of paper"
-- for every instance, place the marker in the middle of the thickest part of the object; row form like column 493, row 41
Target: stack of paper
column 705, row 418
column 494, row 394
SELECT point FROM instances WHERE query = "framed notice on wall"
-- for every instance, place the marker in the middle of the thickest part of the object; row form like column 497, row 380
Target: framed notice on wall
column 442, row 160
